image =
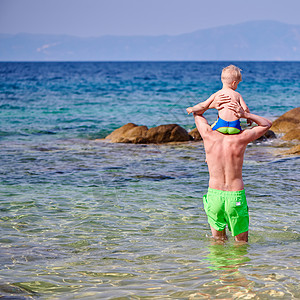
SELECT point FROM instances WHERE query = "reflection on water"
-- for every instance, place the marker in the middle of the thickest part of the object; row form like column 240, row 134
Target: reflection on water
column 227, row 256
column 94, row 220
column 228, row 259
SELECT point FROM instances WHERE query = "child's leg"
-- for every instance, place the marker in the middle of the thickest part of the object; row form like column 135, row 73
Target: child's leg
column 232, row 130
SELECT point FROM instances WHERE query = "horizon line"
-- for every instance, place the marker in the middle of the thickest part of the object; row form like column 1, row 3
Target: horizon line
column 141, row 61
column 149, row 35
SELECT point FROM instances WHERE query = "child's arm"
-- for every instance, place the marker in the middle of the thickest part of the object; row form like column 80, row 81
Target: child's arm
column 244, row 105
column 245, row 108
column 201, row 107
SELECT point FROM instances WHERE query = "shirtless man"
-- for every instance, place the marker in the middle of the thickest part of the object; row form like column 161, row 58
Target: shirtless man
column 225, row 202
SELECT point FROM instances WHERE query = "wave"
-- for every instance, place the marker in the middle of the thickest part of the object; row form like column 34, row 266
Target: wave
column 284, row 160
column 9, row 106
column 26, row 132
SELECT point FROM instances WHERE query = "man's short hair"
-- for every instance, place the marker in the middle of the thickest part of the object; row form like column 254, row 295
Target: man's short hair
column 230, row 74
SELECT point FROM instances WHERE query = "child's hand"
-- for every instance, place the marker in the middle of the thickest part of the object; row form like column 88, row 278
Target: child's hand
column 189, row 110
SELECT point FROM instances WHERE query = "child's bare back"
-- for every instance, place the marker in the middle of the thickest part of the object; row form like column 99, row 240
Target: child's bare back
column 226, row 113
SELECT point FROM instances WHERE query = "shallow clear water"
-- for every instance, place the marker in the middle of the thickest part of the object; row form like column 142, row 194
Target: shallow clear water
column 82, row 218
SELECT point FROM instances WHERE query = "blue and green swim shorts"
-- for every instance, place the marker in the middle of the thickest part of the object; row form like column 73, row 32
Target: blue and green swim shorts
column 227, row 208
column 227, row 127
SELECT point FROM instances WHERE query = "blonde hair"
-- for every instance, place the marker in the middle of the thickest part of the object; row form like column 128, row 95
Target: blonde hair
column 230, row 74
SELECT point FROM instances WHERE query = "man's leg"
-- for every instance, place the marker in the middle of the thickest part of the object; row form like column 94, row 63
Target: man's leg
column 242, row 237
column 218, row 235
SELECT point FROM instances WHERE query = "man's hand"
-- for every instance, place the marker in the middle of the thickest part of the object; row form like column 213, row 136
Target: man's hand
column 220, row 100
column 238, row 110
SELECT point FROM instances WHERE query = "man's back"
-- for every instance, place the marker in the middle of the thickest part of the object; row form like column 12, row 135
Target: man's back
column 224, row 156
column 225, row 153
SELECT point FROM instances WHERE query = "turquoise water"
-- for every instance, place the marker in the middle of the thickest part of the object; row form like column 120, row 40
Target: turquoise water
column 84, row 219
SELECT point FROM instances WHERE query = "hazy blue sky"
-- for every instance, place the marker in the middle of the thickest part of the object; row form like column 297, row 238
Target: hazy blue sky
column 137, row 17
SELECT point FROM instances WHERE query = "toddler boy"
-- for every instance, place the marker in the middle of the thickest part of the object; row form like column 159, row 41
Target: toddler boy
column 227, row 121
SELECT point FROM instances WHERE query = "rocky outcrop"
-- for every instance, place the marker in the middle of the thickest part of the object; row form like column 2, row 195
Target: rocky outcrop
column 195, row 135
column 294, row 150
column 167, row 133
column 288, row 123
column 268, row 135
column 131, row 133
column 119, row 133
column 293, row 134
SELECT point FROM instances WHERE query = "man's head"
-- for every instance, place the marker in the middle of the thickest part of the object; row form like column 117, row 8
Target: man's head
column 231, row 76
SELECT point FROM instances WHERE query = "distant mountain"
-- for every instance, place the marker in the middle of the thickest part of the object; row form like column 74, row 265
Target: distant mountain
column 257, row 40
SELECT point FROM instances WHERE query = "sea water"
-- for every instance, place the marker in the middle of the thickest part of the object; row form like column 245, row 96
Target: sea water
column 81, row 218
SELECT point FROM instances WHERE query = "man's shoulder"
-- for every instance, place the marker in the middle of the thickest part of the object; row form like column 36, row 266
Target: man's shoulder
column 243, row 137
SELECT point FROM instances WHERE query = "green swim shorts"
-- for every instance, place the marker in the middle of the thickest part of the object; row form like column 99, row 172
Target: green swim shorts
column 227, row 207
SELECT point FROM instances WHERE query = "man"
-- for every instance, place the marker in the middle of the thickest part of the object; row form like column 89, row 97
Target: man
column 225, row 202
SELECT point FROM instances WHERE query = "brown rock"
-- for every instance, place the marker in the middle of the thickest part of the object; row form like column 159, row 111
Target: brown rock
column 293, row 134
column 268, row 135
column 120, row 132
column 167, row 133
column 293, row 150
column 195, row 135
column 136, row 135
column 288, row 121
column 129, row 133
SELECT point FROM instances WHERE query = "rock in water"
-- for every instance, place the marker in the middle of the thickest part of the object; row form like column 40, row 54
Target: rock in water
column 115, row 136
column 288, row 121
column 167, row 133
column 136, row 135
column 293, row 134
column 132, row 133
column 293, row 150
column 195, row 135
column 129, row 133
column 268, row 135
